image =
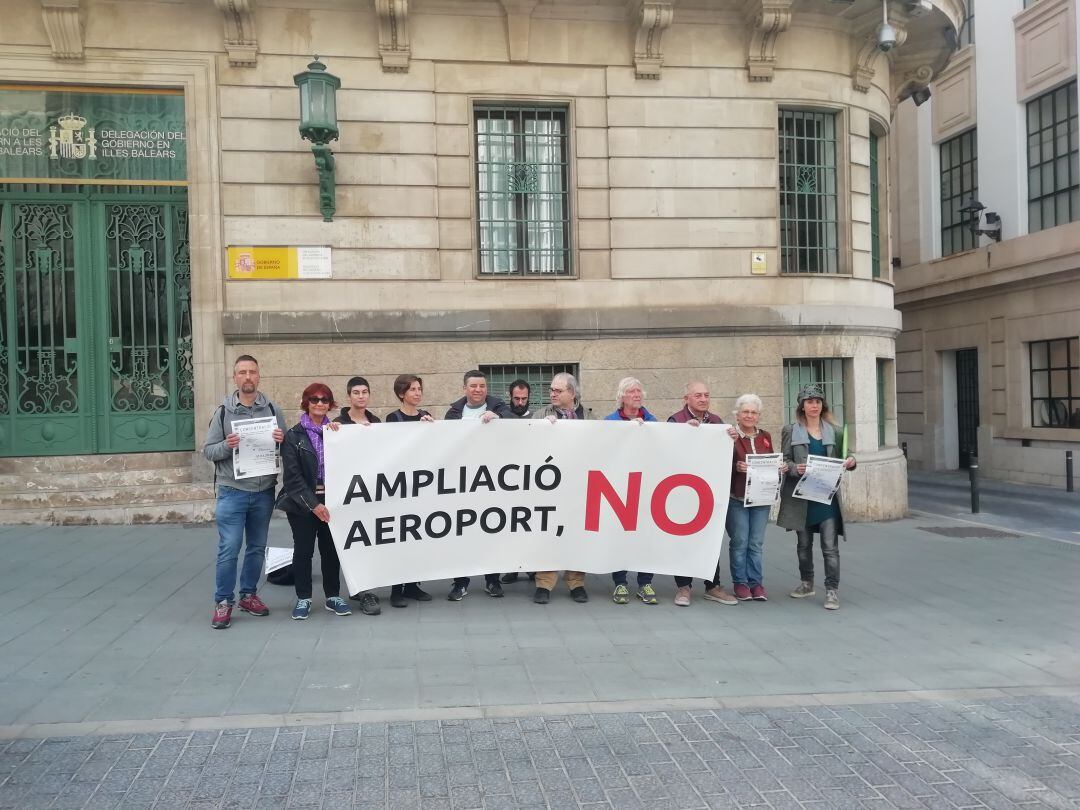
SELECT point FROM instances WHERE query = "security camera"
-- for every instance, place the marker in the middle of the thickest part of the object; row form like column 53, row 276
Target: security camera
column 886, row 37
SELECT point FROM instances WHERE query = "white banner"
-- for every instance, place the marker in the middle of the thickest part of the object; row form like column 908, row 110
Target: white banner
column 436, row 500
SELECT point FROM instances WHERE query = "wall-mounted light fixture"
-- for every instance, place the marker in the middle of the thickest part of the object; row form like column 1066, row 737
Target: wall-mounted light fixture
column 973, row 212
column 318, row 124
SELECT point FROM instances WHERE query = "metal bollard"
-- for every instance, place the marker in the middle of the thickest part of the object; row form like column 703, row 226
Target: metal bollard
column 973, row 474
column 1068, row 471
column 903, row 446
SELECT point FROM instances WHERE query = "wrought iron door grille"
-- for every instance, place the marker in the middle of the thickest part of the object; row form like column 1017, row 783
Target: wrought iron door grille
column 523, row 211
column 809, row 241
column 967, row 405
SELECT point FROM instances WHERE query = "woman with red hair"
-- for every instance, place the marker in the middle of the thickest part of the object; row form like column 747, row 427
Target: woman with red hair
column 303, row 500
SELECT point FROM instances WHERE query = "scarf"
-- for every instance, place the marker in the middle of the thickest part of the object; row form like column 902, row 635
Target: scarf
column 314, row 433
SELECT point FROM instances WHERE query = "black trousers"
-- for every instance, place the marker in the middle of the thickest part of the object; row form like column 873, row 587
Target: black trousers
column 306, row 530
column 464, row 581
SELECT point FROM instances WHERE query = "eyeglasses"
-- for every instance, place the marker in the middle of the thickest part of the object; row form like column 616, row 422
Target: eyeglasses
column 556, row 390
column 318, row 400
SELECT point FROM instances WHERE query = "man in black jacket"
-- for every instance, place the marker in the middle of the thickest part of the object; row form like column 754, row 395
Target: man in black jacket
column 476, row 404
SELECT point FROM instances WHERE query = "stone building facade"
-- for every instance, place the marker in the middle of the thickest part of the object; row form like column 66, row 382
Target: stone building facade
column 674, row 189
column 988, row 364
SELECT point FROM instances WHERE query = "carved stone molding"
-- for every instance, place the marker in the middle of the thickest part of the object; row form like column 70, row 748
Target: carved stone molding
column 911, row 80
column 649, row 18
column 394, row 48
column 767, row 19
column 240, row 43
column 862, row 72
column 63, row 25
column 518, row 21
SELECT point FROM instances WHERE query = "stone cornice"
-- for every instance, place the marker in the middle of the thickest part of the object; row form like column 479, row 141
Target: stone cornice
column 766, row 19
column 366, row 326
column 63, row 25
column 239, row 21
column 649, row 19
column 394, row 48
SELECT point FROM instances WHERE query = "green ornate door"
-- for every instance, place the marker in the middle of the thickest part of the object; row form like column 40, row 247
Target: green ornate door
column 95, row 320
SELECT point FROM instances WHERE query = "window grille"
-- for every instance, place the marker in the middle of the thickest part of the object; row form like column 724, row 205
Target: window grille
column 1053, row 159
column 828, row 373
column 959, row 183
column 522, row 200
column 537, row 375
column 808, row 202
column 1055, row 383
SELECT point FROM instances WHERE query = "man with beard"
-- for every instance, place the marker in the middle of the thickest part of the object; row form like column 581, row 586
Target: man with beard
column 519, row 399
column 244, row 505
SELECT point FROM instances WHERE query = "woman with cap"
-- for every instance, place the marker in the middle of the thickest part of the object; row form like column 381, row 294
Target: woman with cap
column 812, row 433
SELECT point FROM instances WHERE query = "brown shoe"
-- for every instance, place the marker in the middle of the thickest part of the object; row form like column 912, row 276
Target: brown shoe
column 717, row 594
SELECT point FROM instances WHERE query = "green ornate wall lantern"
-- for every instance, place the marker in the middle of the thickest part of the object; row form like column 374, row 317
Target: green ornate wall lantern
column 318, row 124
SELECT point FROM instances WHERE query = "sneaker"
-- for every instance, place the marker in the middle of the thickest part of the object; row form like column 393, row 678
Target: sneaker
column 457, row 593
column 369, row 604
column 805, row 588
column 397, row 599
column 759, row 594
column 302, row 609
column 542, row 596
column 506, row 579
column 647, row 595
column 742, row 593
column 252, row 604
column 832, row 599
column 682, row 596
column 414, row 591
column 493, row 588
column 579, row 595
column 717, row 594
column 338, row 606
column 621, row 595
column 222, row 617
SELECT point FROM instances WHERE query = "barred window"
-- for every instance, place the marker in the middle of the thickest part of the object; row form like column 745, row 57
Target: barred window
column 828, row 373
column 808, row 202
column 522, row 200
column 959, row 183
column 875, row 209
column 537, row 375
column 1055, row 382
column 967, row 25
column 1053, row 159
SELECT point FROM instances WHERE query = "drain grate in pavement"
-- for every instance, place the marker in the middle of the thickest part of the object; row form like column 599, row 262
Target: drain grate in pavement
column 967, row 531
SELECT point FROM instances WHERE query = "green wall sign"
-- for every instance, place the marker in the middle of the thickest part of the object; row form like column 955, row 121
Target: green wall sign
column 57, row 134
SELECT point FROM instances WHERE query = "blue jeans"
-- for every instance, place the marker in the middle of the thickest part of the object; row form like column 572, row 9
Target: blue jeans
column 746, row 528
column 239, row 512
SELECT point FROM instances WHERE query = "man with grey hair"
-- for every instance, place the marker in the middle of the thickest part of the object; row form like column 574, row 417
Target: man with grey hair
column 696, row 401
column 565, row 404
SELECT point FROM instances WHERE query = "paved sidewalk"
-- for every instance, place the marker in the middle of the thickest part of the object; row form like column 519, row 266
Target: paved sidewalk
column 998, row 753
column 950, row 677
column 1043, row 511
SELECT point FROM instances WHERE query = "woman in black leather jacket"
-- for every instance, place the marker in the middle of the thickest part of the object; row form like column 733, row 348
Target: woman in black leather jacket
column 303, row 500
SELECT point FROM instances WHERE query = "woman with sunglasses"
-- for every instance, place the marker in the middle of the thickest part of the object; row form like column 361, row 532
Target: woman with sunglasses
column 303, row 500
